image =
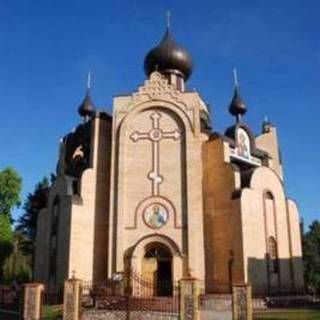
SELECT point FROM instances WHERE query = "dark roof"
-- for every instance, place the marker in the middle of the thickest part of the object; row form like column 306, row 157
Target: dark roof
column 237, row 105
column 86, row 107
column 231, row 131
column 168, row 57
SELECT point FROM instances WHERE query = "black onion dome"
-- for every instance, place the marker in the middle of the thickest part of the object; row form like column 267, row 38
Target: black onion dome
column 168, row 56
column 237, row 105
column 86, row 108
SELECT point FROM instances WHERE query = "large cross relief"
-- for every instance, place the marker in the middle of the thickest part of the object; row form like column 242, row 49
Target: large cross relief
column 155, row 135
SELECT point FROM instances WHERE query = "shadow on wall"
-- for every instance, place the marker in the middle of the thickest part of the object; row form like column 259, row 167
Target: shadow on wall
column 274, row 277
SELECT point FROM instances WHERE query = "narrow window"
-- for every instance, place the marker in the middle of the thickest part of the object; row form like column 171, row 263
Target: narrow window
column 272, row 255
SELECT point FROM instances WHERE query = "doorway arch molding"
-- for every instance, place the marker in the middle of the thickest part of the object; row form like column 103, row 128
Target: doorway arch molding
column 135, row 254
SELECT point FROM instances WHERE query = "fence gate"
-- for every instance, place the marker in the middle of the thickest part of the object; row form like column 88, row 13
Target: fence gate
column 132, row 298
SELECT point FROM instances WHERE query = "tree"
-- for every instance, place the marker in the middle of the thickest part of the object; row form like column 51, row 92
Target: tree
column 311, row 255
column 10, row 188
column 27, row 223
column 6, row 241
column 17, row 266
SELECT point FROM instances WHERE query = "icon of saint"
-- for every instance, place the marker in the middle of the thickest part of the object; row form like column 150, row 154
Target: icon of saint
column 157, row 218
column 243, row 149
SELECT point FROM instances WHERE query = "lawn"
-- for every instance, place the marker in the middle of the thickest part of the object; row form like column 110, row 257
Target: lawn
column 288, row 314
column 48, row 313
column 52, row 312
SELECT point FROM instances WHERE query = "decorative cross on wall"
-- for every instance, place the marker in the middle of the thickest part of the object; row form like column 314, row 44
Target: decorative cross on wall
column 155, row 135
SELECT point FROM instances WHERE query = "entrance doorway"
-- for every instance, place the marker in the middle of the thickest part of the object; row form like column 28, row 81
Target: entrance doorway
column 157, row 269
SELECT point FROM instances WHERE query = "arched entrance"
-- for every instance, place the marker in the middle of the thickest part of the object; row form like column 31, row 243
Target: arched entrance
column 157, row 268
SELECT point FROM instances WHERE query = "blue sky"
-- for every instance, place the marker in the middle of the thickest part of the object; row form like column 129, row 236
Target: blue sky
column 48, row 46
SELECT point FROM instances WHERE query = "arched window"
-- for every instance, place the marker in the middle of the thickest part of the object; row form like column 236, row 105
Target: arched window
column 272, row 255
column 269, row 195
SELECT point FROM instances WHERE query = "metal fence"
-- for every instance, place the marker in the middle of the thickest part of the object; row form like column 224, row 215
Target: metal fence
column 133, row 297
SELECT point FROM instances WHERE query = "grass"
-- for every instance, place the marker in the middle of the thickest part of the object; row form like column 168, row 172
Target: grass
column 288, row 314
column 52, row 312
column 48, row 313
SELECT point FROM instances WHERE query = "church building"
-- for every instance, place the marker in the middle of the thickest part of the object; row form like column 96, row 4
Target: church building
column 153, row 190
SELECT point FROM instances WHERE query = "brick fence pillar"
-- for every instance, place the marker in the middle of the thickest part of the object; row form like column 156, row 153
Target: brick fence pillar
column 189, row 298
column 72, row 299
column 32, row 301
column 241, row 302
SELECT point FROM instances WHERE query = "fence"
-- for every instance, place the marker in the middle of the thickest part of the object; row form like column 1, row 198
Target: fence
column 130, row 298
column 133, row 298
column 11, row 300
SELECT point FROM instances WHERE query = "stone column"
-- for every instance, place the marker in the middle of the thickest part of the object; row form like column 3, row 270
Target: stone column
column 72, row 299
column 241, row 302
column 189, row 298
column 32, row 301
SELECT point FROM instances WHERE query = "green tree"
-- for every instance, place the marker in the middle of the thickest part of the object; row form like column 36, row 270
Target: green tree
column 311, row 255
column 17, row 266
column 10, row 188
column 6, row 241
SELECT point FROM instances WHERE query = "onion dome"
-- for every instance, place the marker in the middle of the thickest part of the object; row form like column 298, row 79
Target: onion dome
column 266, row 125
column 86, row 108
column 168, row 57
column 237, row 106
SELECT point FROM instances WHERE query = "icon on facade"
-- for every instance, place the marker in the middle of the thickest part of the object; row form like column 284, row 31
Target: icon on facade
column 243, row 145
column 156, row 215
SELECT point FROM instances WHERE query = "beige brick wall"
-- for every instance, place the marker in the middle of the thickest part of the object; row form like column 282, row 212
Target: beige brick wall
column 83, row 222
column 179, row 165
column 222, row 224
column 255, row 232
column 89, row 221
column 42, row 244
column 236, row 219
column 61, row 190
column 296, row 250
column 217, row 228
column 268, row 141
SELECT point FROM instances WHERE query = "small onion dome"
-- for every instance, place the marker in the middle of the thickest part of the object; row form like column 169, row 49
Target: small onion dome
column 168, row 57
column 86, row 108
column 266, row 125
column 237, row 106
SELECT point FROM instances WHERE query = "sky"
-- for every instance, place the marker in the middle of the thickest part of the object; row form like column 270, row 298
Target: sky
column 48, row 46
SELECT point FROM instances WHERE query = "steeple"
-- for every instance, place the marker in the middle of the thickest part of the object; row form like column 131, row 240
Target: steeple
column 168, row 19
column 266, row 125
column 237, row 106
column 86, row 108
column 170, row 59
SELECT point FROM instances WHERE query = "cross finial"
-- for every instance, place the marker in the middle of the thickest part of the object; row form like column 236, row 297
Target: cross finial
column 265, row 119
column 235, row 78
column 89, row 80
column 168, row 14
